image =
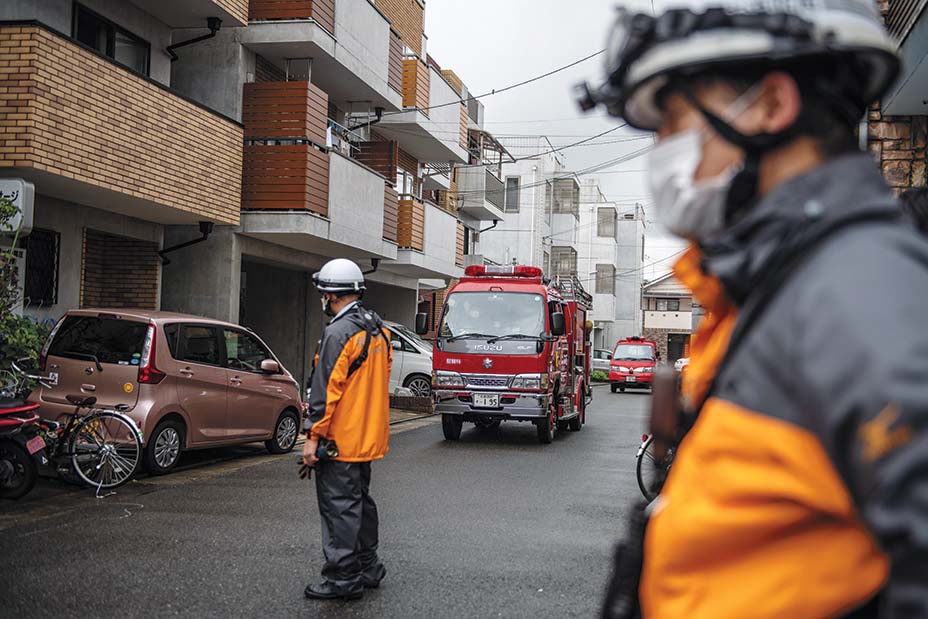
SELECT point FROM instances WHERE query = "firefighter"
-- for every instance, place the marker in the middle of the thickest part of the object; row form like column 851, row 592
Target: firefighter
column 347, row 428
column 799, row 488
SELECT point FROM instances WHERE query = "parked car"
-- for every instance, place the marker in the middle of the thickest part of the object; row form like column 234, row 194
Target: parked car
column 601, row 359
column 412, row 361
column 189, row 382
column 681, row 363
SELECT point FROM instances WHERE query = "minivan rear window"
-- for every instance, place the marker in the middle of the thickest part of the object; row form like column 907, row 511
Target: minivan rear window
column 110, row 340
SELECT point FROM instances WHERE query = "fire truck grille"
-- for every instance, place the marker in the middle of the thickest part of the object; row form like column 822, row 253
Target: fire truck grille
column 477, row 380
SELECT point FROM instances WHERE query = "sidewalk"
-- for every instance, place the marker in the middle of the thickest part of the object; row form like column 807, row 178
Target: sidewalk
column 397, row 415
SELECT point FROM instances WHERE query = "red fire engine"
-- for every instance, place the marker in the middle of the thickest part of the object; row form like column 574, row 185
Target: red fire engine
column 512, row 346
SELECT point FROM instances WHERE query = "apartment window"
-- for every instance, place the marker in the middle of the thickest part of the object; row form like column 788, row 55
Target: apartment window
column 101, row 34
column 41, row 285
column 564, row 261
column 405, row 183
column 668, row 305
column 606, row 221
column 605, row 279
column 512, row 194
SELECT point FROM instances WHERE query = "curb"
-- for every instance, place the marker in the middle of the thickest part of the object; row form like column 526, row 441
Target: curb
column 399, row 421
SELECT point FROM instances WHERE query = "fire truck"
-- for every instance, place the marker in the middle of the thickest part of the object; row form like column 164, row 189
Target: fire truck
column 512, row 346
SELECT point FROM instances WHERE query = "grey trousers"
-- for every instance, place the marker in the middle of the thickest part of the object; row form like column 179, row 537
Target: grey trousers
column 349, row 521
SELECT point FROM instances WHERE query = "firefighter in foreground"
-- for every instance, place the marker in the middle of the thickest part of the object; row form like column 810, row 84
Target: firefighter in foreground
column 347, row 428
column 801, row 487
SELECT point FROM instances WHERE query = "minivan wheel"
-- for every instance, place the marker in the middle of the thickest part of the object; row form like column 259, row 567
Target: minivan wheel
column 164, row 447
column 421, row 386
column 285, row 434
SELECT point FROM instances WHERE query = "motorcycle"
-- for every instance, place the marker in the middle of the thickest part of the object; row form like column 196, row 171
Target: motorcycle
column 20, row 441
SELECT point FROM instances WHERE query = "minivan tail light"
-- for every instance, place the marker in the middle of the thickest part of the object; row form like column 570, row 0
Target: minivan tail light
column 149, row 374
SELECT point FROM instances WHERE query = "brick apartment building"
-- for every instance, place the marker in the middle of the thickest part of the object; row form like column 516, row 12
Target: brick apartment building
column 298, row 131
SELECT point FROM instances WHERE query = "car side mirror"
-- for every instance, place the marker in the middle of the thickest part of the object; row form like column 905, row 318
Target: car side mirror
column 558, row 324
column 422, row 323
column 397, row 345
column 269, row 366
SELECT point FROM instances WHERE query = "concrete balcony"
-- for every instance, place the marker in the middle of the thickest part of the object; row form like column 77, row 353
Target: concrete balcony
column 603, row 307
column 193, row 13
column 480, row 193
column 349, row 44
column 426, row 130
column 87, row 130
column 430, row 249
column 353, row 224
column 679, row 321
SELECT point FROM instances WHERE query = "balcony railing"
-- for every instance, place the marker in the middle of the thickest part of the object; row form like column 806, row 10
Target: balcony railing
column 286, row 166
column 390, row 213
column 411, row 223
column 395, row 71
column 495, row 190
column 416, row 76
column 101, row 129
column 459, row 246
column 321, row 11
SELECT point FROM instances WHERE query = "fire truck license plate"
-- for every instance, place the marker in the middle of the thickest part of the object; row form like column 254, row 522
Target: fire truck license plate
column 631, row 379
column 486, row 401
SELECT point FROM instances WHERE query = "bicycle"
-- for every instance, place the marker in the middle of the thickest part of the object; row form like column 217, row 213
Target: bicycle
column 103, row 446
column 650, row 470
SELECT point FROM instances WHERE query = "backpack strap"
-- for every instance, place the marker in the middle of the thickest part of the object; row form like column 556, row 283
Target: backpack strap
column 369, row 326
column 779, row 274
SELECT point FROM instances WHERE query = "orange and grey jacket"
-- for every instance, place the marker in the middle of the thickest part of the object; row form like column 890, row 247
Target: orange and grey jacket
column 802, row 489
column 352, row 407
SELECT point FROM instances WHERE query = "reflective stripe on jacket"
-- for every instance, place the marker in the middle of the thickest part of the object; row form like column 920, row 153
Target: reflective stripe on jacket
column 801, row 490
column 354, row 410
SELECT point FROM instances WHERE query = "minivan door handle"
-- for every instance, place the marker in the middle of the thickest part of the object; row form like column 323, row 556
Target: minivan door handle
column 186, row 372
column 235, row 381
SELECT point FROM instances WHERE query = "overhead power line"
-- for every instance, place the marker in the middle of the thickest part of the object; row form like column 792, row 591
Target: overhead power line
column 497, row 91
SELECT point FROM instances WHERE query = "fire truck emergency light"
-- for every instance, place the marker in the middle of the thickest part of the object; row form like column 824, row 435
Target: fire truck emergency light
column 480, row 270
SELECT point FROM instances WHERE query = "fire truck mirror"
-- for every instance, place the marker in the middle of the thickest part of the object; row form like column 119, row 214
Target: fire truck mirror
column 558, row 324
column 422, row 323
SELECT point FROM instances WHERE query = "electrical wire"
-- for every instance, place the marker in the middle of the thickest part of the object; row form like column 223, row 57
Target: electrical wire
column 497, row 91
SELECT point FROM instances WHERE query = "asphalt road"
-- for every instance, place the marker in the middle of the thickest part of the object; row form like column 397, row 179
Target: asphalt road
column 495, row 525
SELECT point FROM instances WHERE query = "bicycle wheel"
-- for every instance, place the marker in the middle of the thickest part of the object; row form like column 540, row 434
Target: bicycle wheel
column 105, row 450
column 652, row 472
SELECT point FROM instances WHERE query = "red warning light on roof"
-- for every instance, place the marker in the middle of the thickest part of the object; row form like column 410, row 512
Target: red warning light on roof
column 480, row 270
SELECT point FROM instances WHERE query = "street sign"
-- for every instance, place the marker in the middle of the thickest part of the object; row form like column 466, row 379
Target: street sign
column 22, row 194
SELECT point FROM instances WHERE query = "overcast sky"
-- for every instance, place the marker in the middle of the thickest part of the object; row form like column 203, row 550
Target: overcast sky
column 491, row 44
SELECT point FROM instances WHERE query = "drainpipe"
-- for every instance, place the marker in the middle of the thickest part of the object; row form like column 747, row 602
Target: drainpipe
column 378, row 111
column 213, row 23
column 206, row 227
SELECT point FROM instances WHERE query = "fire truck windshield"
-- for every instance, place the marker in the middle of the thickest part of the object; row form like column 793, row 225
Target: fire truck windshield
column 483, row 315
column 633, row 352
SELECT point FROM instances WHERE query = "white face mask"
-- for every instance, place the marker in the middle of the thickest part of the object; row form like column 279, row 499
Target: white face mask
column 690, row 208
column 687, row 208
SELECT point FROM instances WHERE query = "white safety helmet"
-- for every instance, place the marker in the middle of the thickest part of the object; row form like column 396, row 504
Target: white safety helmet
column 339, row 275
column 645, row 52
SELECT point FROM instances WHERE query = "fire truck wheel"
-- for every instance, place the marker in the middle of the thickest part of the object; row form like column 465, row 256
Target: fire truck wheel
column 451, row 426
column 614, row 388
column 577, row 422
column 546, row 428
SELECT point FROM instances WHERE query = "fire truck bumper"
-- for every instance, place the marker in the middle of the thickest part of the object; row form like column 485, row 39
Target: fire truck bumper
column 526, row 406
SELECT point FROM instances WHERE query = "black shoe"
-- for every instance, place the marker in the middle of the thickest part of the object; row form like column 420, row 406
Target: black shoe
column 329, row 591
column 372, row 577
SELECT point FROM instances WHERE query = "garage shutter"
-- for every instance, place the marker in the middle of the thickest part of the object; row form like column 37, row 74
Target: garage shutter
column 118, row 271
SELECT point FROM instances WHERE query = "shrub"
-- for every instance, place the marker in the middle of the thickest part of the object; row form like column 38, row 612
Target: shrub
column 599, row 376
column 20, row 337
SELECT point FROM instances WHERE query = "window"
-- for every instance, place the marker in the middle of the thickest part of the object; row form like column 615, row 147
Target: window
column 170, row 334
column 606, row 220
column 406, row 346
column 668, row 305
column 110, row 340
column 41, row 285
column 564, row 261
column 512, row 194
column 199, row 345
column 405, row 183
column 244, row 351
column 662, row 305
column 109, row 39
column 605, row 279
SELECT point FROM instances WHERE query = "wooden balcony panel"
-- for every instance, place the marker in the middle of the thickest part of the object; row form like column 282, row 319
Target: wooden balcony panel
column 285, row 110
column 411, row 224
column 395, row 70
column 459, row 246
column 416, row 84
column 286, row 178
column 321, row 11
column 380, row 156
column 390, row 213
column 462, row 140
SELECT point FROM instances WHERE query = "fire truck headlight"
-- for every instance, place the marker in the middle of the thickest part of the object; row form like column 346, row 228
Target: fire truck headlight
column 623, row 369
column 447, row 379
column 530, row 381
